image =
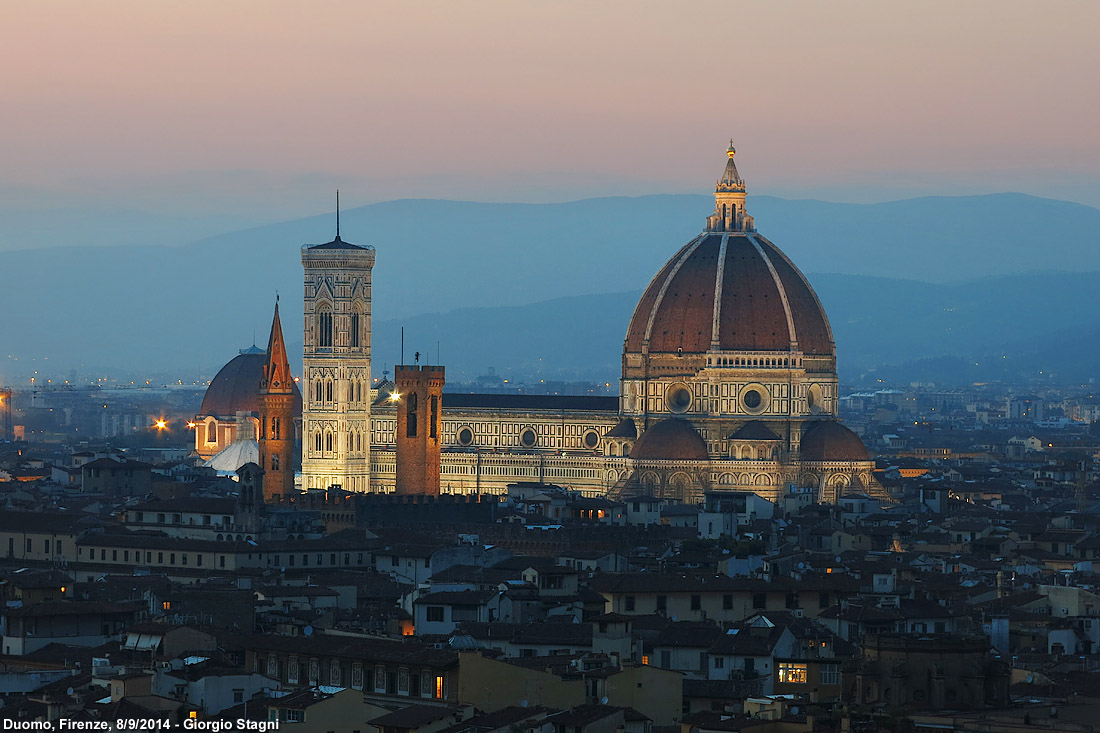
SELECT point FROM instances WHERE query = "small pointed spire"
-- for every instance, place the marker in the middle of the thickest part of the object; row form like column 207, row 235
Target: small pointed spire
column 276, row 375
column 730, row 180
column 338, row 210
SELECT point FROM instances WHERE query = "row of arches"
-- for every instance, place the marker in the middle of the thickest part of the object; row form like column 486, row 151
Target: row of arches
column 744, row 452
column 323, row 442
column 744, row 361
column 324, row 390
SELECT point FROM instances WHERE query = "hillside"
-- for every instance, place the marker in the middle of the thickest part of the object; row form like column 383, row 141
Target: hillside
column 190, row 307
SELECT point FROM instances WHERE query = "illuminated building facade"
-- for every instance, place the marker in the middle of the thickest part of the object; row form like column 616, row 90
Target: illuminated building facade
column 336, row 365
column 728, row 384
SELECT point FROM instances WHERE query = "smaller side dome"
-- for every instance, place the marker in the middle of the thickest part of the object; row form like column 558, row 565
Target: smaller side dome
column 673, row 439
column 236, row 388
column 828, row 440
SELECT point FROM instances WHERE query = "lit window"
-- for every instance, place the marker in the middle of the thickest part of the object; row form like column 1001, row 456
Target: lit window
column 792, row 673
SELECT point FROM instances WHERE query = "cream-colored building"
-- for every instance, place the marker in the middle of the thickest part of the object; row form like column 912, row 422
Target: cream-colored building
column 336, row 365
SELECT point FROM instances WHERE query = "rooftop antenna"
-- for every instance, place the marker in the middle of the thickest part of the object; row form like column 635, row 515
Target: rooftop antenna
column 402, row 344
column 337, row 213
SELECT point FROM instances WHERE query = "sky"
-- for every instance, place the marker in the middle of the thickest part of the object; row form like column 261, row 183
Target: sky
column 164, row 121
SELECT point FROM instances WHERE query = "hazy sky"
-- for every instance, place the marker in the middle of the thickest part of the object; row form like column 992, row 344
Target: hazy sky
column 230, row 113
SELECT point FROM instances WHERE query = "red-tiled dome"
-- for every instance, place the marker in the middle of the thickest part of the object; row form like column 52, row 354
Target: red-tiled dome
column 763, row 302
column 673, row 439
column 236, row 388
column 828, row 440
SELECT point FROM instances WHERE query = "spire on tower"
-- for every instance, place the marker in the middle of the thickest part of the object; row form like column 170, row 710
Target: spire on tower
column 338, row 212
column 730, row 180
column 276, row 376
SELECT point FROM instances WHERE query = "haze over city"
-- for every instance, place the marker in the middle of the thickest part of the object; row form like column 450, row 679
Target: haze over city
column 193, row 124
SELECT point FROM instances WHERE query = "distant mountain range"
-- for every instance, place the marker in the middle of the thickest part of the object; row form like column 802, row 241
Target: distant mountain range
column 514, row 283
column 998, row 328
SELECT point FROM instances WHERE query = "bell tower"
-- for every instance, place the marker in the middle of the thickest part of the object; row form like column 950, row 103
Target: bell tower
column 276, row 416
column 336, row 354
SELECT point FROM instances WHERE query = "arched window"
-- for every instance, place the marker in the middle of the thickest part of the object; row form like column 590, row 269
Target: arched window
column 211, row 432
column 354, row 332
column 410, row 415
column 324, row 328
column 433, row 431
column 328, row 390
column 274, row 461
column 275, row 428
column 318, row 391
column 328, row 442
column 317, row 441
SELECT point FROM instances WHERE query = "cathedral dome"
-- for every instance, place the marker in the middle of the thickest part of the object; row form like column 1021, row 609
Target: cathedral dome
column 236, row 388
column 828, row 440
column 673, row 439
column 729, row 292
column 729, row 289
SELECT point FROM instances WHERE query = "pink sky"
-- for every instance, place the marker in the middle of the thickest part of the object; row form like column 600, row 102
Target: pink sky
column 262, row 108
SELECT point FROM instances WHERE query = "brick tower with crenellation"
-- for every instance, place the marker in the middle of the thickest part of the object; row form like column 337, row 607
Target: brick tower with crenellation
column 419, row 394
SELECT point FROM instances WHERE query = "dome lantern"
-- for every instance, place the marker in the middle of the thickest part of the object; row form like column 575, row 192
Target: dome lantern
column 729, row 200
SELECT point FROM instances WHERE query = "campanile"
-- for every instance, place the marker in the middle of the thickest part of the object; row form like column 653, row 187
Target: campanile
column 336, row 365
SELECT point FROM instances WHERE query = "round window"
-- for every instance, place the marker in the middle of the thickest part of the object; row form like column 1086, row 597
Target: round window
column 528, row 438
column 678, row 398
column 465, row 436
column 814, row 402
column 591, row 439
column 755, row 399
